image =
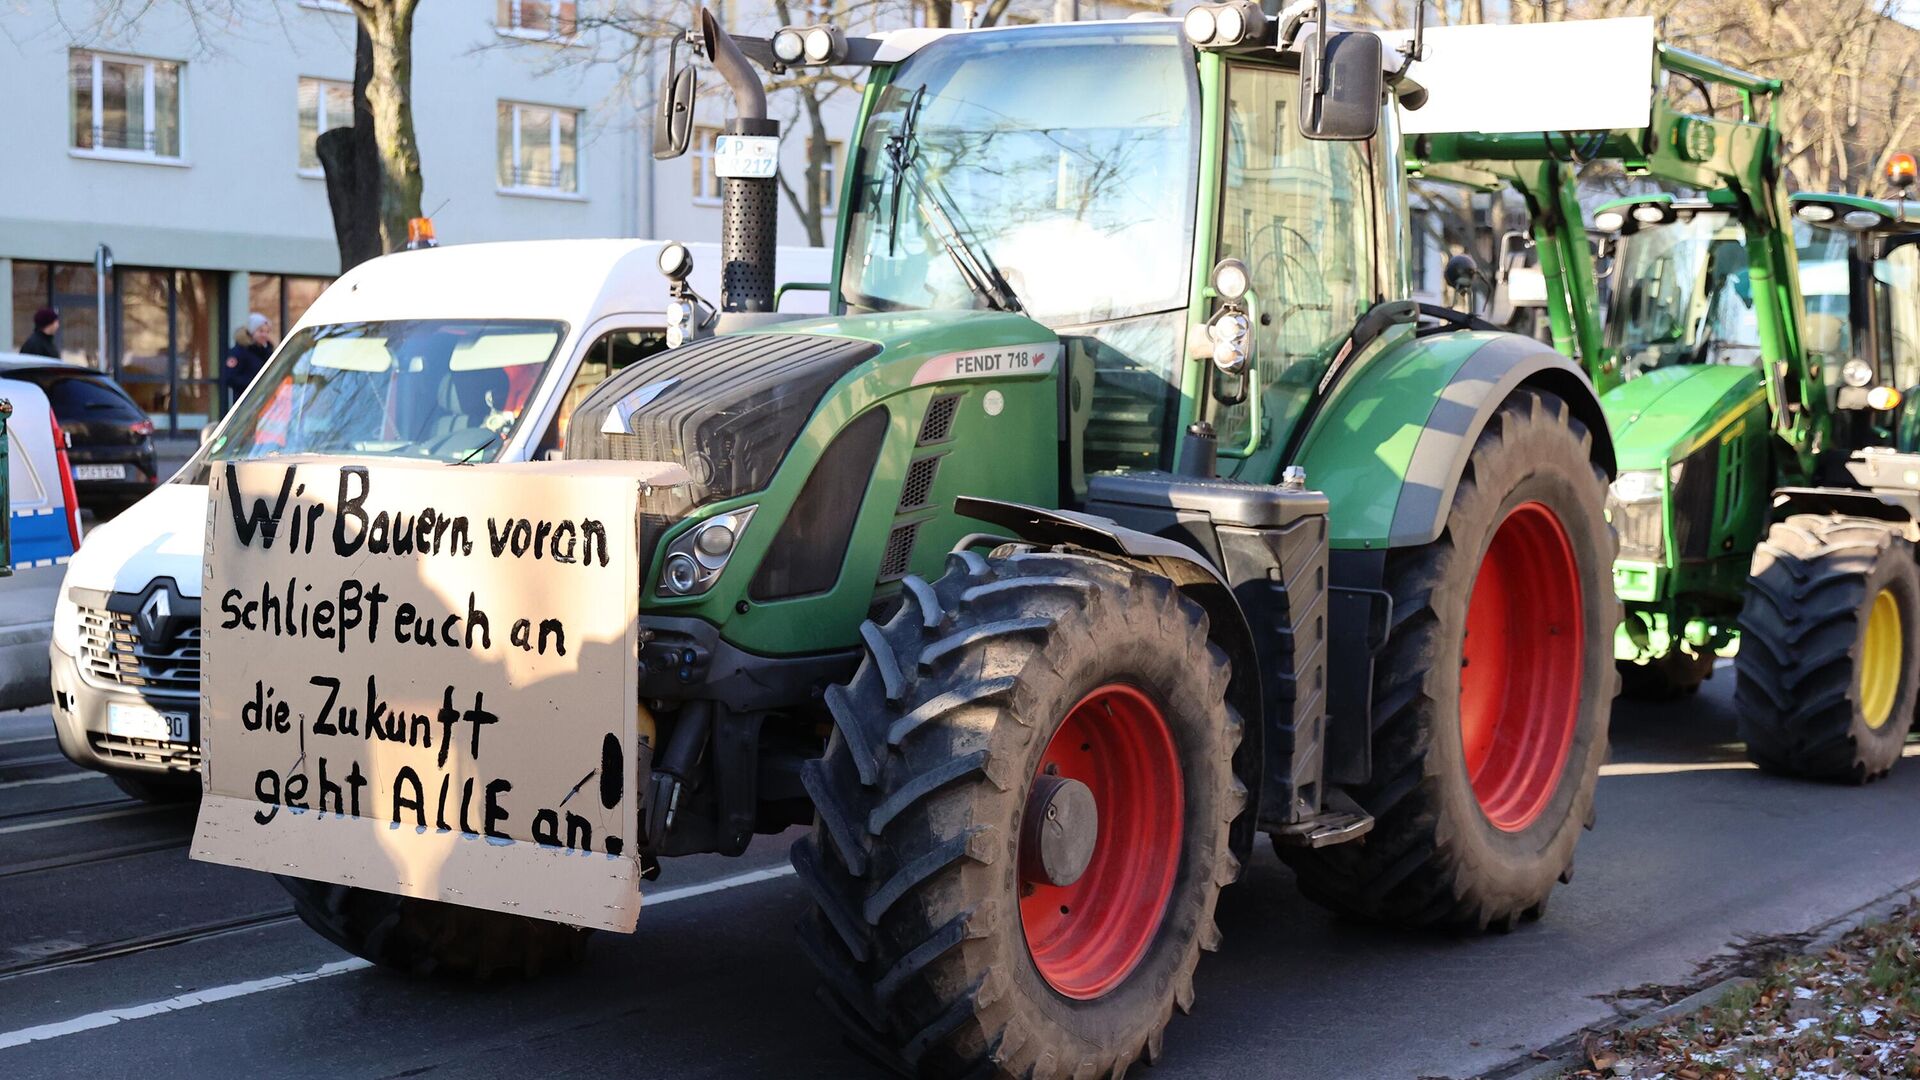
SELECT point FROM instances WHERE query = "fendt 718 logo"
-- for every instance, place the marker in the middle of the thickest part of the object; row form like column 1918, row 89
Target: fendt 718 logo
column 1035, row 359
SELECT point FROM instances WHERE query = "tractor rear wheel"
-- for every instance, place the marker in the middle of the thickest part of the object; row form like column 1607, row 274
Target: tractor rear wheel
column 1022, row 820
column 1826, row 674
column 1664, row 678
column 1491, row 696
column 432, row 939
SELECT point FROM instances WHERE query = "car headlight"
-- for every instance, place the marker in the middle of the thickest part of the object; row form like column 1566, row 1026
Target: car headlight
column 1637, row 486
column 696, row 557
column 66, row 625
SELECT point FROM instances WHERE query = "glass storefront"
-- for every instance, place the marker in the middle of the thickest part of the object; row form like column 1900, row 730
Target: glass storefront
column 168, row 329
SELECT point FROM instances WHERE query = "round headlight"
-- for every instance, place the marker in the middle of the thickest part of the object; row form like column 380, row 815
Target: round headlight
column 819, row 44
column 1883, row 398
column 1230, row 26
column 1609, row 221
column 1229, row 357
column 788, row 46
column 1230, row 279
column 1856, row 372
column 714, row 542
column 1228, row 327
column 675, row 260
column 681, row 573
column 1650, row 213
column 1815, row 212
column 1860, row 219
column 1200, row 25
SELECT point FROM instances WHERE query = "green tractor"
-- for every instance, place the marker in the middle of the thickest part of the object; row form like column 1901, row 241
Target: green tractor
column 1755, row 498
column 1124, row 509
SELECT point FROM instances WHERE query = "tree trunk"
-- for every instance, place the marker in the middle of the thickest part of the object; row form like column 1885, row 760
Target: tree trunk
column 349, row 157
column 389, row 23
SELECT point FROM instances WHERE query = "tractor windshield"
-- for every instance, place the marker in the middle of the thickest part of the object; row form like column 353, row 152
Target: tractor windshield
column 1684, row 296
column 1049, row 171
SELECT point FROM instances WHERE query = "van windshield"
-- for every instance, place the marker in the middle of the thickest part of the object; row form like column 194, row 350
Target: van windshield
column 440, row 389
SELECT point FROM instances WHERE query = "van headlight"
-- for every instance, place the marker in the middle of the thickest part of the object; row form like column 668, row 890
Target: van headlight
column 66, row 624
column 696, row 557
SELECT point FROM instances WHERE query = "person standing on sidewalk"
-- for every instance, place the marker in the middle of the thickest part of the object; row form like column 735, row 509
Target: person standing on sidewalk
column 46, row 323
column 239, row 366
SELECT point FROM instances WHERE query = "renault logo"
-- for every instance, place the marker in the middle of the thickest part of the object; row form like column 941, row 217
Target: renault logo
column 154, row 615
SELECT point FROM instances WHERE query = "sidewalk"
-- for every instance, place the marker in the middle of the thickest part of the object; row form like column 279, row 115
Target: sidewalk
column 26, row 631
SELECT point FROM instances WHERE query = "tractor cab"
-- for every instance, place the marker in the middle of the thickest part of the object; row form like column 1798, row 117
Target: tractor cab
column 1683, row 292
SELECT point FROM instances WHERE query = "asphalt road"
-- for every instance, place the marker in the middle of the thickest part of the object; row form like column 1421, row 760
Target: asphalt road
column 119, row 956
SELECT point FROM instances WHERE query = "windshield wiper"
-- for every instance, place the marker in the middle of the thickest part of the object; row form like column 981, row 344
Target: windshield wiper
column 975, row 266
column 493, row 436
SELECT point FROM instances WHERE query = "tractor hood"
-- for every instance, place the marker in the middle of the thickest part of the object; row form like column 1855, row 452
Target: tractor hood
column 1656, row 416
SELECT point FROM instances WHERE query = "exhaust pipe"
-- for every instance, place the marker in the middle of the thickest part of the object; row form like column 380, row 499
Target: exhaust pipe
column 750, row 208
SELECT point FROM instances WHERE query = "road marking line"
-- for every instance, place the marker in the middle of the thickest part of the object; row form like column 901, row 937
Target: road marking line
column 71, row 778
column 83, row 819
column 109, row 1017
column 1658, row 768
column 27, row 738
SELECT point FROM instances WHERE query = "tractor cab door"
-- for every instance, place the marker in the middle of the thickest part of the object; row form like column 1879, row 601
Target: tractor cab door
column 1303, row 216
column 1896, row 319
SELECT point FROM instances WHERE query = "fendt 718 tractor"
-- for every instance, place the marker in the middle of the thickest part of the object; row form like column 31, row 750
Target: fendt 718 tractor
column 1123, row 509
column 1755, row 497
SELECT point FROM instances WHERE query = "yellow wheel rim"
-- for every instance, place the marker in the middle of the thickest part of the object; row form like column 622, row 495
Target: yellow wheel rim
column 1881, row 658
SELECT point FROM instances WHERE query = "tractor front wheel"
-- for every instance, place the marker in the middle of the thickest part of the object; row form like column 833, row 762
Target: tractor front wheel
column 1826, row 675
column 1022, row 820
column 1491, row 696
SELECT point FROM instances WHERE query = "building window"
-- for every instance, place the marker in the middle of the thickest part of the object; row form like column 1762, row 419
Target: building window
column 538, row 18
column 539, row 148
column 324, row 105
column 126, row 106
column 829, row 174
column 706, row 183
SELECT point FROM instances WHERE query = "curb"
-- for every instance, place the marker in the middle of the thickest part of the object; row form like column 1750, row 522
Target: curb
column 1825, row 935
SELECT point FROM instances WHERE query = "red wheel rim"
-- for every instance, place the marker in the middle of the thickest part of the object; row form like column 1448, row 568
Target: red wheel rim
column 1086, row 937
column 1520, row 667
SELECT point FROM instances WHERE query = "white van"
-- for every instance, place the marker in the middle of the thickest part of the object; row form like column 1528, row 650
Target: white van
column 465, row 354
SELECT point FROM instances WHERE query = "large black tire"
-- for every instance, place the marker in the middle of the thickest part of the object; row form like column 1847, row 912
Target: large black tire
column 1665, row 678
column 1803, row 640
column 914, row 863
column 1434, row 858
column 431, row 939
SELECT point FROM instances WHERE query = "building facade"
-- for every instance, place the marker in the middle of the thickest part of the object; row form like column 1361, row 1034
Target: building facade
column 179, row 159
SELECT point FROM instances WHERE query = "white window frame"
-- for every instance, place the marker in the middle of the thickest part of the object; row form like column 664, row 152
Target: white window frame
column 320, row 117
column 578, row 192
column 513, row 29
column 339, row 7
column 700, row 155
column 147, row 157
column 830, row 178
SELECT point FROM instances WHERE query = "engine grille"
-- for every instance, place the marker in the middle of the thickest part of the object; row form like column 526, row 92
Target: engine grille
column 146, row 751
column 1638, row 524
column 111, row 651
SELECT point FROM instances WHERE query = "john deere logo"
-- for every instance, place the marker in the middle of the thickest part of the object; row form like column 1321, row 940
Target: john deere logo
column 1694, row 140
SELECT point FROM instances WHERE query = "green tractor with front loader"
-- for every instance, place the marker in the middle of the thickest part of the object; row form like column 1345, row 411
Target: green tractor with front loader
column 1123, row 509
column 1755, row 499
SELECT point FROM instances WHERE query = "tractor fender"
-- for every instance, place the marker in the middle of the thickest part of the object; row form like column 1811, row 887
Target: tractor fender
column 1189, row 570
column 1899, row 509
column 1392, row 446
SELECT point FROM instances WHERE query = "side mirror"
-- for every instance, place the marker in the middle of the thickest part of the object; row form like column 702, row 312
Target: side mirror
column 673, row 119
column 1342, row 85
column 1460, row 272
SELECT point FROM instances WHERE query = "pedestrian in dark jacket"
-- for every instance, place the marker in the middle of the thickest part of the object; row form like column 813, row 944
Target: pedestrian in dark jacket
column 238, row 367
column 46, row 323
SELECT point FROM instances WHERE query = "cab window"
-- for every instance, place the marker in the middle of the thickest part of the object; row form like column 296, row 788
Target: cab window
column 1299, row 213
column 612, row 352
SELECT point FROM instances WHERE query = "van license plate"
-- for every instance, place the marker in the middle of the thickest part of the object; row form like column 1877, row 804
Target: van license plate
column 99, row 472
column 142, row 722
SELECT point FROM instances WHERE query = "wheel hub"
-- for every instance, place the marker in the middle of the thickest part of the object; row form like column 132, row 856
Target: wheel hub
column 1061, row 827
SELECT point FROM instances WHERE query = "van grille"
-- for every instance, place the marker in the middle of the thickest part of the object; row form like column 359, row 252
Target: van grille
column 111, row 651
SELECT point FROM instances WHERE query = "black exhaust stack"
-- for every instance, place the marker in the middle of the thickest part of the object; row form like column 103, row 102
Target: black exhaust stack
column 750, row 209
